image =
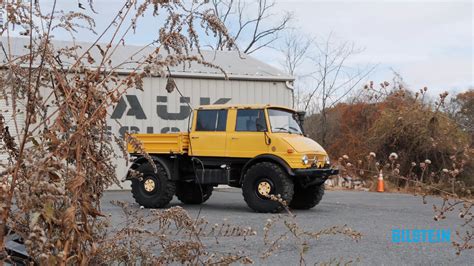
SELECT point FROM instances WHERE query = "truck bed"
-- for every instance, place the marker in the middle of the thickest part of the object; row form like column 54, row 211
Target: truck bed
column 176, row 143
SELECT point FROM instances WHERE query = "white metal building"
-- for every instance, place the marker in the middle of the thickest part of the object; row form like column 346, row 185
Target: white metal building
column 154, row 110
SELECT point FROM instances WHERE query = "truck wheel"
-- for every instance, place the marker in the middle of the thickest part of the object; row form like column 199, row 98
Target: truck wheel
column 192, row 193
column 155, row 190
column 264, row 179
column 307, row 198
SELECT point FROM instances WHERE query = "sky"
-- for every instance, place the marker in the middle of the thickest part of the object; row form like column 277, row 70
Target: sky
column 429, row 43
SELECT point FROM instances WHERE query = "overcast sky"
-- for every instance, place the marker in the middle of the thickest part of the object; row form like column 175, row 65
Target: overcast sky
column 430, row 43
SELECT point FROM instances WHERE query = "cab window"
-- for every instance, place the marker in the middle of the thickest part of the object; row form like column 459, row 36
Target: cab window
column 211, row 120
column 251, row 120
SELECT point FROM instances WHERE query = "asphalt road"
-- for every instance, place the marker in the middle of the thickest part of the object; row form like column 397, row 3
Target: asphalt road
column 372, row 214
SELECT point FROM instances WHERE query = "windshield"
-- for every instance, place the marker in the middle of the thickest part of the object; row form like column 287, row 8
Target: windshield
column 283, row 121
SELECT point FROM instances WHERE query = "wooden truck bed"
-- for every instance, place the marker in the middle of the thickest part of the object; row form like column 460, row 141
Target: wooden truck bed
column 163, row 143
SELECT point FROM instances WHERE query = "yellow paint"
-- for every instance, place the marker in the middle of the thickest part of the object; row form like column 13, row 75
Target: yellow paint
column 236, row 144
column 208, row 143
column 264, row 188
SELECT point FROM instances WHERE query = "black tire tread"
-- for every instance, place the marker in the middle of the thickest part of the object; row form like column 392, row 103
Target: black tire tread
column 190, row 193
column 287, row 186
column 161, row 200
column 307, row 198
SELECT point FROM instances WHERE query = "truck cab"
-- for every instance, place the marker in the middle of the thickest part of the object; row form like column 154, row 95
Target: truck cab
column 259, row 148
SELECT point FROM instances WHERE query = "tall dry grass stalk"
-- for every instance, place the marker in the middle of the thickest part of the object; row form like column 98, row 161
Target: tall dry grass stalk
column 60, row 155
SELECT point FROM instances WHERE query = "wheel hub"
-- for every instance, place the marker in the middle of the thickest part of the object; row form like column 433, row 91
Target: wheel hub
column 149, row 185
column 264, row 188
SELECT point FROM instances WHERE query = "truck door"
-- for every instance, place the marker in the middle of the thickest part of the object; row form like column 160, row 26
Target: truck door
column 209, row 135
column 247, row 138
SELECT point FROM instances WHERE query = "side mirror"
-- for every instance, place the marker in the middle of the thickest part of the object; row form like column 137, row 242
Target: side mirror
column 301, row 115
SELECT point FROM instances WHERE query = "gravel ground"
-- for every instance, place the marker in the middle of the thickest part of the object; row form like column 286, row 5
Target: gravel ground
column 372, row 214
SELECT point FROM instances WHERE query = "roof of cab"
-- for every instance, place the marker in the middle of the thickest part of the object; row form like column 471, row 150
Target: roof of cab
column 242, row 106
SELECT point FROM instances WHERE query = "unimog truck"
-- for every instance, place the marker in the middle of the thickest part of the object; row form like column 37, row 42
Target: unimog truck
column 259, row 148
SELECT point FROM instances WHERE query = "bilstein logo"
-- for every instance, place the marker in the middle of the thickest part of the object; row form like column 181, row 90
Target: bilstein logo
column 129, row 105
column 421, row 236
column 135, row 108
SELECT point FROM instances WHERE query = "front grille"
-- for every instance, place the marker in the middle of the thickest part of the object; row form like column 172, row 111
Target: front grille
column 317, row 161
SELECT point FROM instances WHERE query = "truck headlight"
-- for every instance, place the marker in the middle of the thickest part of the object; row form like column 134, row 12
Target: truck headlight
column 304, row 159
column 327, row 161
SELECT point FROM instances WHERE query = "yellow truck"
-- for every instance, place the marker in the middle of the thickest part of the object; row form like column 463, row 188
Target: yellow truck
column 259, row 148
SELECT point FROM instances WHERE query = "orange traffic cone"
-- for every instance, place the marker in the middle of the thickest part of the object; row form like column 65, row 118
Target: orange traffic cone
column 380, row 187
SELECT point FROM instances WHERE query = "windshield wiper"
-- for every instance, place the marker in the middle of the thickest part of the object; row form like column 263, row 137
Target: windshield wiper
column 280, row 129
column 295, row 129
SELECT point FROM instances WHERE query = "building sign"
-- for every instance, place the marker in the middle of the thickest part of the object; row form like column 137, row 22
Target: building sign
column 129, row 106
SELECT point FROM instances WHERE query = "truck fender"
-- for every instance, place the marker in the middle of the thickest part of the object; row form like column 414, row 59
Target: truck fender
column 267, row 158
column 157, row 160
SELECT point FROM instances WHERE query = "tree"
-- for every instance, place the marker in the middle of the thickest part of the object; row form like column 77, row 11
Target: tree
column 461, row 109
column 255, row 28
column 295, row 48
column 333, row 78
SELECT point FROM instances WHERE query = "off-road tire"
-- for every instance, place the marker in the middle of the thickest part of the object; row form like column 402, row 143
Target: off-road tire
column 282, row 185
column 192, row 193
column 164, row 188
column 307, row 198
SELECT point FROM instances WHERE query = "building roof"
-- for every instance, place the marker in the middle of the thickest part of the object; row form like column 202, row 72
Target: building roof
column 236, row 65
column 242, row 106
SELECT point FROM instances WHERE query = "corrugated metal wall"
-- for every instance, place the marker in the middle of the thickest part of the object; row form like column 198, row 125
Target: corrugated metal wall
column 154, row 110
column 164, row 112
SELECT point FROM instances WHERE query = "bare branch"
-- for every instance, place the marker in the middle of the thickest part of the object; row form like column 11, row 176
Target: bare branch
column 258, row 30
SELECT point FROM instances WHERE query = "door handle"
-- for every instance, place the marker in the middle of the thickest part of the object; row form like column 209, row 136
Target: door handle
column 194, row 137
column 234, row 138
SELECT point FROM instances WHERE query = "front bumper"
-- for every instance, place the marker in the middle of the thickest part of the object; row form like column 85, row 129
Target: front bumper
column 314, row 176
column 315, row 172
